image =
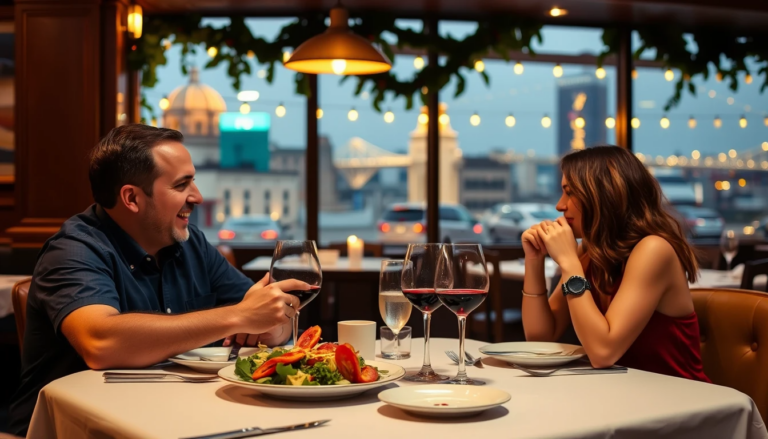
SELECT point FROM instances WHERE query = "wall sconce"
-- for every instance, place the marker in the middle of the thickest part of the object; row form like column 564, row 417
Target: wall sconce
column 135, row 21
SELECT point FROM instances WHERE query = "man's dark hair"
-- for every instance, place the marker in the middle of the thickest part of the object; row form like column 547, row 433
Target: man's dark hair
column 124, row 156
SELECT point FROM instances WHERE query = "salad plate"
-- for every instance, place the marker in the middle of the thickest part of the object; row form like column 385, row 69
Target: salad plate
column 534, row 353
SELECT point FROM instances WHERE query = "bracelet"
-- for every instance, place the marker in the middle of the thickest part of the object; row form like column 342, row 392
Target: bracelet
column 533, row 295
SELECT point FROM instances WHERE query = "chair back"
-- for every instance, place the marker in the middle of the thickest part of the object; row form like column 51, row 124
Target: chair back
column 752, row 269
column 734, row 340
column 228, row 254
column 19, row 294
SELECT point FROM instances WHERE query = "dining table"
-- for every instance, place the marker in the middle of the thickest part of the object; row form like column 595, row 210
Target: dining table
column 634, row 404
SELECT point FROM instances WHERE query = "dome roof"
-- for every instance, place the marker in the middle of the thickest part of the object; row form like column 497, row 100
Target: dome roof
column 196, row 96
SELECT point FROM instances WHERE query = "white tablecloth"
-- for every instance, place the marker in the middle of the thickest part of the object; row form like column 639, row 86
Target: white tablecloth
column 6, row 285
column 634, row 404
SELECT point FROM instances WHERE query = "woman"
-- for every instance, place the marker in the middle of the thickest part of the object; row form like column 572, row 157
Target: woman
column 625, row 288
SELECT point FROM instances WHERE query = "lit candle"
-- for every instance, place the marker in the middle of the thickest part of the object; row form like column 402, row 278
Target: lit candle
column 355, row 251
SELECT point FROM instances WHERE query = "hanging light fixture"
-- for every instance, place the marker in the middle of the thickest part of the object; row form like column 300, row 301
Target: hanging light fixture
column 510, row 121
column 519, row 69
column 692, row 122
column 135, row 21
column 546, row 122
column 557, row 70
column 389, row 116
column 610, row 123
column 338, row 50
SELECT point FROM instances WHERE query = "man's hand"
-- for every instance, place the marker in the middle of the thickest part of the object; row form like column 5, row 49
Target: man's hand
column 265, row 307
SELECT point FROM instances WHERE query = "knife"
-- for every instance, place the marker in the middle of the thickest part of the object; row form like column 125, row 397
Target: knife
column 235, row 350
column 256, row 431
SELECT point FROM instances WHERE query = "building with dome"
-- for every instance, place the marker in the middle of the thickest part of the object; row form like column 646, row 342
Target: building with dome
column 194, row 110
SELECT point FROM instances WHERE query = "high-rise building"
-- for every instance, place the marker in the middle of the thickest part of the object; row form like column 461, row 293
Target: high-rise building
column 581, row 112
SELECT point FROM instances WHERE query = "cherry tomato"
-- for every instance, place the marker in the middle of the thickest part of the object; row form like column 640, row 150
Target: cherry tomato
column 309, row 338
column 269, row 366
column 349, row 366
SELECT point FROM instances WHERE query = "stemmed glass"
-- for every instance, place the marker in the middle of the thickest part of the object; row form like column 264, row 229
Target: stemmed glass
column 461, row 282
column 729, row 245
column 297, row 260
column 418, row 285
column 394, row 307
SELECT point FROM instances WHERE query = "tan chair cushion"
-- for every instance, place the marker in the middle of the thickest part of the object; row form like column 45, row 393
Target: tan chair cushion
column 19, row 295
column 228, row 254
column 734, row 340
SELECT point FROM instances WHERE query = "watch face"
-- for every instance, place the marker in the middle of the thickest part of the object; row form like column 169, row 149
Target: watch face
column 576, row 284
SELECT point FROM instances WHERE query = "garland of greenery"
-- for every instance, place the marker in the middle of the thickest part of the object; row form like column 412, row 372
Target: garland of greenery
column 236, row 46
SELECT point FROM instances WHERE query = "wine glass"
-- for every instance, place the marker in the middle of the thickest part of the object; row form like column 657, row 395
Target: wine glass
column 418, row 285
column 729, row 245
column 394, row 307
column 297, row 260
column 461, row 282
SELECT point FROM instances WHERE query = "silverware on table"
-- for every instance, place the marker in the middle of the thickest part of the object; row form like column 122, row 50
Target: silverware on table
column 475, row 361
column 571, row 370
column 468, row 360
column 549, row 353
column 256, row 431
column 235, row 350
column 154, row 377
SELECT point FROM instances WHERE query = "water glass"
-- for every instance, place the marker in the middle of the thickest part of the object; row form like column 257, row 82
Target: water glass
column 395, row 348
column 395, row 309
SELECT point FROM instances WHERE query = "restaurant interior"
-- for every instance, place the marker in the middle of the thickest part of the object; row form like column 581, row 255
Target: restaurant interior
column 71, row 71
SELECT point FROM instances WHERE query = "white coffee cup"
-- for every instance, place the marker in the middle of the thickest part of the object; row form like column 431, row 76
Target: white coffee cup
column 361, row 334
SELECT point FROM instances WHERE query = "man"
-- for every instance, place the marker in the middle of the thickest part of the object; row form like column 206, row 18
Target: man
column 129, row 283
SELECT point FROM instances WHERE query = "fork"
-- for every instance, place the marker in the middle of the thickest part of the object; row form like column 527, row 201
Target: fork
column 122, row 377
column 537, row 373
column 455, row 358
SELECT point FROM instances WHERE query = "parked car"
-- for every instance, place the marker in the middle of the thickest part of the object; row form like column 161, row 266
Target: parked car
column 249, row 229
column 700, row 222
column 508, row 221
column 404, row 223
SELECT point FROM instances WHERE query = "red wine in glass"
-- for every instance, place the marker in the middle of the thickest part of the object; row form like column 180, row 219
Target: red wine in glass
column 305, row 296
column 462, row 301
column 425, row 299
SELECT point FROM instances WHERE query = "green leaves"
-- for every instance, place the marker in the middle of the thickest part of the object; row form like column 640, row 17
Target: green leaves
column 244, row 369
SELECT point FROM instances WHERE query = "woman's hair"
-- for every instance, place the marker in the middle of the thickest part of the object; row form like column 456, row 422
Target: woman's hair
column 621, row 203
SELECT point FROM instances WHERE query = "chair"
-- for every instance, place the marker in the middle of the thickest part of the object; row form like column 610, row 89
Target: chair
column 228, row 254
column 369, row 249
column 734, row 340
column 19, row 294
column 752, row 269
column 495, row 305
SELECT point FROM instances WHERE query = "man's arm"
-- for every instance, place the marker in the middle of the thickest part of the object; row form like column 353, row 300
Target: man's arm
column 107, row 339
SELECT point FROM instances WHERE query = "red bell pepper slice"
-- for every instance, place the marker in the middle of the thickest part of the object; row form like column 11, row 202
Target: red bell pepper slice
column 349, row 366
column 309, row 338
column 269, row 366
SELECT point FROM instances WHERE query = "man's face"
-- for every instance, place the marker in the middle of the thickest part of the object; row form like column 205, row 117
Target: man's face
column 174, row 195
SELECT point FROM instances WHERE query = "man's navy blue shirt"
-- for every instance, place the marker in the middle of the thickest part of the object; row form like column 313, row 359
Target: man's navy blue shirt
column 91, row 260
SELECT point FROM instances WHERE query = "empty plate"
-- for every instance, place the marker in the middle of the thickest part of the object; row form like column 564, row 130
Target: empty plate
column 534, row 353
column 216, row 358
column 444, row 399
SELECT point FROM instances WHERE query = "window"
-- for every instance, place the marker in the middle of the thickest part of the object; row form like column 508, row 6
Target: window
column 198, row 128
column 246, row 202
column 286, row 196
column 286, row 210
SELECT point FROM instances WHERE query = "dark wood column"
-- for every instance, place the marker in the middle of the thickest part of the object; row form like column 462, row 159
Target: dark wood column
column 624, row 89
column 433, row 146
column 312, row 163
column 70, row 61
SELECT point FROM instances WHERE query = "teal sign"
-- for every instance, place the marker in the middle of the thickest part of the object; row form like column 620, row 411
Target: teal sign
column 236, row 122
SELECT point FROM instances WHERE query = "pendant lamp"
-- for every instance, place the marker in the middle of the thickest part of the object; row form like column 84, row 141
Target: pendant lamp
column 338, row 50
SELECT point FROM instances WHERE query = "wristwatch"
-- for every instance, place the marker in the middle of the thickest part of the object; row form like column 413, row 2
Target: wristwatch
column 576, row 285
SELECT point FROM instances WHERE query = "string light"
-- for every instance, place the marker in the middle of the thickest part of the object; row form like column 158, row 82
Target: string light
column 743, row 121
column 286, row 56
column 154, row 122
column 519, row 68
column 166, row 44
column 474, row 120
column 424, row 90
column 600, row 73
column 319, row 113
column 610, row 123
column 722, row 157
column 164, row 103
column 764, row 164
column 695, row 154
column 750, row 163
column 579, row 122
column 748, row 79
column 726, row 185
column 640, row 156
column 339, row 66
column 546, row 122
column 444, row 119
column 423, row 118
column 692, row 122
column 664, row 122
column 712, row 94
column 480, row 66
column 510, row 121
column 671, row 160
column 418, row 63
column 718, row 122
column 245, row 108
column 635, row 123
column 213, row 51
column 634, row 73
column 730, row 100
column 718, row 76
column 248, row 96
column 732, row 153
column 765, row 121
column 353, row 114
column 669, row 75
column 280, row 110
column 557, row 12
column 557, row 70
column 765, row 146
column 389, row 116
column 250, row 54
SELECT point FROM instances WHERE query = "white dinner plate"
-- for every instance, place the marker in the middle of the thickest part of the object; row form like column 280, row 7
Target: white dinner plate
column 318, row 393
column 539, row 358
column 444, row 400
column 192, row 360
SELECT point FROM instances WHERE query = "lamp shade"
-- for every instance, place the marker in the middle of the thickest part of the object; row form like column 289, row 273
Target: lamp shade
column 338, row 50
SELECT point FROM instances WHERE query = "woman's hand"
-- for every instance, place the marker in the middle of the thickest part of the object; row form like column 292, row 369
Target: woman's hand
column 532, row 245
column 559, row 240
